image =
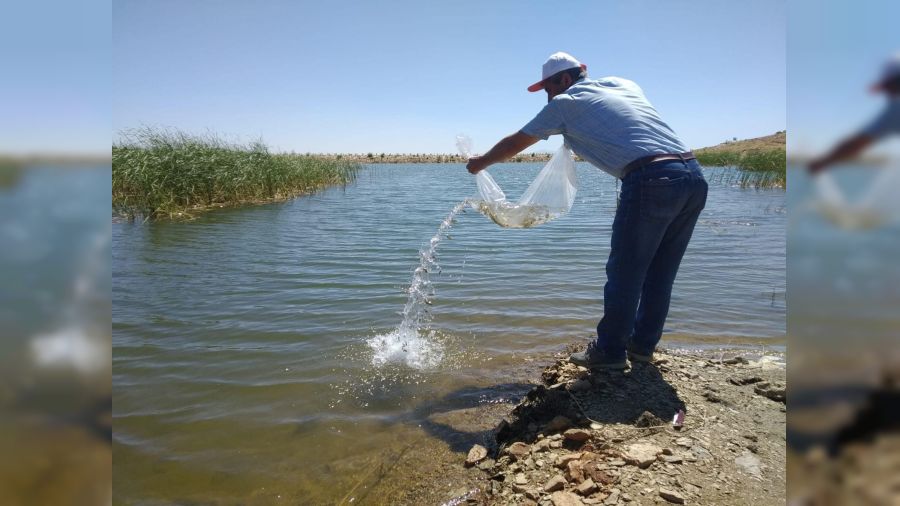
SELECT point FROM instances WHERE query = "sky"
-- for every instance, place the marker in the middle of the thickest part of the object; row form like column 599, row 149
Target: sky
column 407, row 77
column 835, row 53
column 55, row 77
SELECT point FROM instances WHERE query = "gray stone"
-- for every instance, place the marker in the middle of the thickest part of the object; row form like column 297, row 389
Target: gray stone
column 642, row 455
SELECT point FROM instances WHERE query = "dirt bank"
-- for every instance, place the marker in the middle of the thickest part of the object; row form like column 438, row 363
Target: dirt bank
column 585, row 437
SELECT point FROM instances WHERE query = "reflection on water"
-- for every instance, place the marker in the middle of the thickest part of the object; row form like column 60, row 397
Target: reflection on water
column 242, row 339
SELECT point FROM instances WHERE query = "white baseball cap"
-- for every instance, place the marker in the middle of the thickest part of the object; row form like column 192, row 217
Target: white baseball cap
column 556, row 63
column 890, row 71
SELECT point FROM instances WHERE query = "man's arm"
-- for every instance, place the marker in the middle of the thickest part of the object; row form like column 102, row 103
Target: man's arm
column 847, row 149
column 508, row 147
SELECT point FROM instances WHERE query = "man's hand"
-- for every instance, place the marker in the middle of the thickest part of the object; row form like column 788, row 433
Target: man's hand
column 476, row 164
column 503, row 150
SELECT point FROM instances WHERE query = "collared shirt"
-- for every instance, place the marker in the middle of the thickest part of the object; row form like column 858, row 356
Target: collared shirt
column 608, row 122
column 888, row 122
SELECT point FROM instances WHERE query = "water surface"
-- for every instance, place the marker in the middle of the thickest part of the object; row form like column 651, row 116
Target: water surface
column 241, row 366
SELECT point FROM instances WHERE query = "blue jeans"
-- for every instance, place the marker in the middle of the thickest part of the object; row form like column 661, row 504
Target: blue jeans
column 658, row 208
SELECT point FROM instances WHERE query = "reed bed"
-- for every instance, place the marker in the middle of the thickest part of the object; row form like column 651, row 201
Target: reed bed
column 755, row 169
column 159, row 173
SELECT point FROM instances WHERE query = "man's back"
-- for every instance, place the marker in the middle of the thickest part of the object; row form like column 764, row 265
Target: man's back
column 608, row 122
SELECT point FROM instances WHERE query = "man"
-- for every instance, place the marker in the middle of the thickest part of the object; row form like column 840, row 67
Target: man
column 610, row 123
column 886, row 123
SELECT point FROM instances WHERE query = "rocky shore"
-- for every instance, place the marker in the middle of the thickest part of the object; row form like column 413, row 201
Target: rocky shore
column 592, row 437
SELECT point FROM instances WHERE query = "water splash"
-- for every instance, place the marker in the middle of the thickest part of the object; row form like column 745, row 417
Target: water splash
column 412, row 342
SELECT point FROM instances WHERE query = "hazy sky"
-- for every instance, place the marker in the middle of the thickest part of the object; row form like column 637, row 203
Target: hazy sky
column 835, row 52
column 395, row 76
column 55, row 84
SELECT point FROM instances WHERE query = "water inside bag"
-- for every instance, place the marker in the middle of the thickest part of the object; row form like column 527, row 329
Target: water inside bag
column 548, row 197
column 876, row 206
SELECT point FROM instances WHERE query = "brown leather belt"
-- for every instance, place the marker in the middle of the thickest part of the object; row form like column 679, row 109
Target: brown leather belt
column 647, row 160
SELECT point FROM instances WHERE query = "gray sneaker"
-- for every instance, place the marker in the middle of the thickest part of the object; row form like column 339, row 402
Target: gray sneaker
column 588, row 358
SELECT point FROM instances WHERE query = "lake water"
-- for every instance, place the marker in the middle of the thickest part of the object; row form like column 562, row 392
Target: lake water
column 242, row 364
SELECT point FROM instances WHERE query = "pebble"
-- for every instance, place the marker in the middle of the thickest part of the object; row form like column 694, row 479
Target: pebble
column 517, row 450
column 558, row 482
column 565, row 499
column 577, row 435
column 476, row 455
column 587, row 487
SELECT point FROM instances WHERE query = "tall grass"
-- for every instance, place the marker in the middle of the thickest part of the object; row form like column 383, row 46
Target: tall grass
column 760, row 169
column 159, row 173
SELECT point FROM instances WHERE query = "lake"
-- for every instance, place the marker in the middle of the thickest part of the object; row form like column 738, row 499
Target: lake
column 243, row 370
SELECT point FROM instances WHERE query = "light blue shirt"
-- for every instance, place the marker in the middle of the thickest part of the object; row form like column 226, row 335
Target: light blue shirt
column 887, row 122
column 608, row 122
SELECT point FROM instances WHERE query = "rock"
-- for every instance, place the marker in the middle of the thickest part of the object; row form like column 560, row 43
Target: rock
column 542, row 446
column 613, row 497
column 775, row 392
column 671, row 459
column 746, row 380
column 476, row 455
column 587, row 487
column 736, row 360
column 642, row 455
column 574, row 471
column 577, row 435
column 558, row 424
column 558, row 482
column 565, row 499
column 750, row 463
column 532, row 494
column 564, row 460
column 517, row 450
column 648, row 419
column 593, row 471
column 671, row 496
column 521, row 479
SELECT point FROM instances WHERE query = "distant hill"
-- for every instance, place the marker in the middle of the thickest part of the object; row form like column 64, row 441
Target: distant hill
column 770, row 142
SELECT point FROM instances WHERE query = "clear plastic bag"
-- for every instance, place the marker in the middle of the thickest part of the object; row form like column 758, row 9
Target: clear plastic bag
column 876, row 206
column 548, row 197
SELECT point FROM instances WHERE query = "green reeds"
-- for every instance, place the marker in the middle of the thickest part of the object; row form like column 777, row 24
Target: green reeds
column 758, row 169
column 159, row 173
